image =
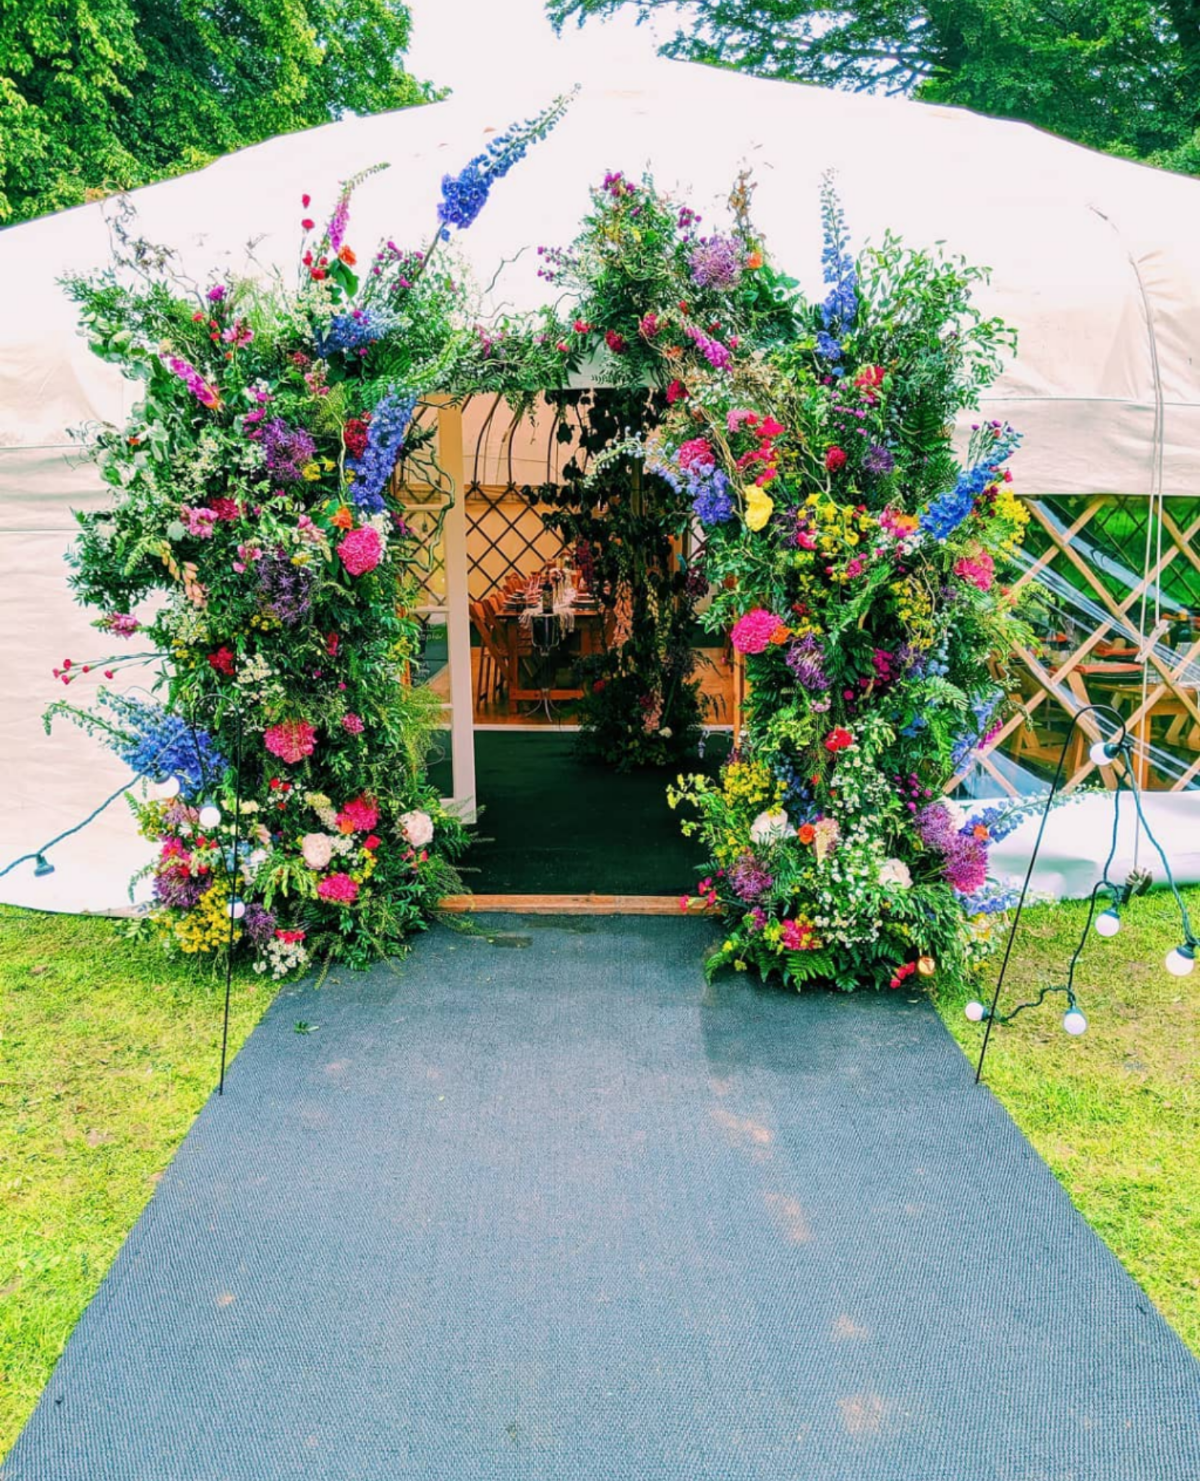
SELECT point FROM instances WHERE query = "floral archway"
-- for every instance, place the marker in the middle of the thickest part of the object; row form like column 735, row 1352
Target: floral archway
column 792, row 459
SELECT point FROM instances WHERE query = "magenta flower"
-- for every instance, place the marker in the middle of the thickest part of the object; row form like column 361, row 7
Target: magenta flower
column 338, row 888
column 361, row 550
column 194, row 381
column 753, row 632
column 291, row 740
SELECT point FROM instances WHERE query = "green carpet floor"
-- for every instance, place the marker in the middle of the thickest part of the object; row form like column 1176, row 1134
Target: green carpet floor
column 555, row 823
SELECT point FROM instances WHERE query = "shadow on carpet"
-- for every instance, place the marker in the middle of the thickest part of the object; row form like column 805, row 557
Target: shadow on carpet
column 538, row 1206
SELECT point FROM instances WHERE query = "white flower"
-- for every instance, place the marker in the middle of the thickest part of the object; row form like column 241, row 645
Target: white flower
column 958, row 813
column 771, row 826
column 317, row 849
column 666, row 732
column 417, row 828
column 895, row 871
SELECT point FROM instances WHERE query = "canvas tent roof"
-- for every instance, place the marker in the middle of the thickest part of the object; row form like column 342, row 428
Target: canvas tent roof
column 1093, row 261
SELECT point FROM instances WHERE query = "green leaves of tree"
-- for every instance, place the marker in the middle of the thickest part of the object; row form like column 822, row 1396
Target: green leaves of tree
column 104, row 95
column 1121, row 75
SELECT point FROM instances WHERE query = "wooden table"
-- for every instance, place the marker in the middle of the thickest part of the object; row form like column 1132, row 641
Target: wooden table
column 589, row 624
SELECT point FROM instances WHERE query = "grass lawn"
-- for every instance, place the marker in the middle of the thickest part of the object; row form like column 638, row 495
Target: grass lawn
column 107, row 1052
column 1115, row 1113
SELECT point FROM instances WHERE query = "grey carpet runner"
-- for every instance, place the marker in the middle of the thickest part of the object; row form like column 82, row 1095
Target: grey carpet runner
column 536, row 1205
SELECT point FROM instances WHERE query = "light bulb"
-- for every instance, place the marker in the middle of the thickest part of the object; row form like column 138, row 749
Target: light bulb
column 165, row 790
column 1108, row 922
column 1181, row 960
column 210, row 815
column 1074, row 1022
column 975, row 1011
column 1102, row 753
column 237, row 909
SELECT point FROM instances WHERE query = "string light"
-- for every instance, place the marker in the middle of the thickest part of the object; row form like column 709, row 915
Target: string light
column 236, row 909
column 1103, row 753
column 42, row 867
column 1179, row 962
column 1181, row 959
column 163, row 791
column 1074, row 1022
column 210, row 815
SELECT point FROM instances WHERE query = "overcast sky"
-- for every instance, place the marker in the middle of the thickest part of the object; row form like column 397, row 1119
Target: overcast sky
column 483, row 45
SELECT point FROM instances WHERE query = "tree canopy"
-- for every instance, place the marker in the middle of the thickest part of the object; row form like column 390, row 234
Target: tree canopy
column 1121, row 75
column 102, row 95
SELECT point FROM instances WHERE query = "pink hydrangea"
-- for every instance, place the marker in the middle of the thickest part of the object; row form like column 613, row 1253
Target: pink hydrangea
column 352, row 724
column 753, row 632
column 359, row 815
column 339, row 888
column 291, row 740
column 361, row 550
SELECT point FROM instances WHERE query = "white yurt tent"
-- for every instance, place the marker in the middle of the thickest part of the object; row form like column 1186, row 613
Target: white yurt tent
column 1093, row 261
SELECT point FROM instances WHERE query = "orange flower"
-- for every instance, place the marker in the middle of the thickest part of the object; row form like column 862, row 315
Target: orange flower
column 754, row 260
column 981, row 832
column 347, row 256
column 343, row 519
column 806, row 833
column 781, row 634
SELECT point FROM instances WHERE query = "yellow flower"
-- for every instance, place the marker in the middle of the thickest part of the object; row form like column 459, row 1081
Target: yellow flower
column 759, row 507
column 311, row 472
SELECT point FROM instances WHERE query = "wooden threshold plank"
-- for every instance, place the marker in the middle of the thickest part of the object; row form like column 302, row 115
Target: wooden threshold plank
column 590, row 904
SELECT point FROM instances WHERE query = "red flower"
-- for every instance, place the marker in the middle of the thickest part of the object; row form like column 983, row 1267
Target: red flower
column 308, row 224
column 331, row 644
column 317, row 274
column 306, row 201
column 581, row 326
column 838, row 739
column 677, row 391
column 835, row 458
column 354, row 435
column 347, row 255
column 223, row 661
column 372, row 842
column 224, row 508
column 615, row 342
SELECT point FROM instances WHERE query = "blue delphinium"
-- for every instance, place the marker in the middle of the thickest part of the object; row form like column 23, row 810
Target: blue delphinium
column 948, row 510
column 712, row 502
column 465, row 195
column 353, row 331
column 385, row 438
column 840, row 308
column 160, row 745
column 982, row 710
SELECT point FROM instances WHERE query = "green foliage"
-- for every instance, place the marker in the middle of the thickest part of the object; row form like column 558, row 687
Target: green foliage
column 113, row 94
column 1121, row 75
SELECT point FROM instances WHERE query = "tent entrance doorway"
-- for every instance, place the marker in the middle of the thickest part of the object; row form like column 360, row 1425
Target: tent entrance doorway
column 552, row 822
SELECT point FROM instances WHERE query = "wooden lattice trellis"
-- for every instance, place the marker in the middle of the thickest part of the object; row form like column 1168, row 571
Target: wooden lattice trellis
column 1114, row 662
